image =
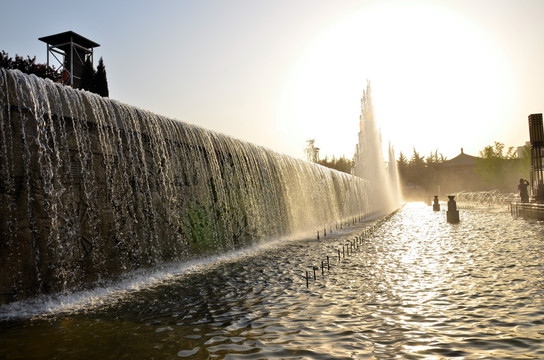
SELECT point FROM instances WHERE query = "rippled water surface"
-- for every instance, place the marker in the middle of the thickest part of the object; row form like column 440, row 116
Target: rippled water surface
column 415, row 287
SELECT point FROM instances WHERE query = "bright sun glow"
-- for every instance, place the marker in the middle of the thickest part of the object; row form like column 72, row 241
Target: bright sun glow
column 437, row 81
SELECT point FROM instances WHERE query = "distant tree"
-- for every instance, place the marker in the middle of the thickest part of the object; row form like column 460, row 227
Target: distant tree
column 402, row 165
column 344, row 165
column 498, row 169
column 432, row 161
column 419, row 171
column 435, row 158
column 87, row 81
column 525, row 162
column 341, row 164
column 100, row 79
column 417, row 174
column 497, row 152
column 417, row 160
column 5, row 60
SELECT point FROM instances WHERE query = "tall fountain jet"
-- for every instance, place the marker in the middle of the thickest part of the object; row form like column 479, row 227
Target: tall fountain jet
column 369, row 162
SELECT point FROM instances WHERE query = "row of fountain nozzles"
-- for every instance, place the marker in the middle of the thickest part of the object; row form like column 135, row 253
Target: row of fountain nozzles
column 452, row 215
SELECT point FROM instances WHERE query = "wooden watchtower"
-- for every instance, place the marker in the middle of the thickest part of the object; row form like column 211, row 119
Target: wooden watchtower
column 536, row 135
column 74, row 50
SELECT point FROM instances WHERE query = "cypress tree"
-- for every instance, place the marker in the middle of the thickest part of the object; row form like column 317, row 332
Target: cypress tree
column 87, row 76
column 101, row 81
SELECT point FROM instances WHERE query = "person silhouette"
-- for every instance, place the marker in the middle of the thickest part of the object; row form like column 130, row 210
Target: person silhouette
column 522, row 187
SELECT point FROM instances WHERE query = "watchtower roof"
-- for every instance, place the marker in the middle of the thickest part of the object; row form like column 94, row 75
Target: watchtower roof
column 67, row 37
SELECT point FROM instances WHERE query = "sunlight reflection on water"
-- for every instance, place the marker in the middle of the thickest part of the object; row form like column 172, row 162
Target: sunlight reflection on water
column 418, row 287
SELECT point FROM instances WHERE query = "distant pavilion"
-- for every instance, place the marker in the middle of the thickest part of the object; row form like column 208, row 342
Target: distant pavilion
column 458, row 174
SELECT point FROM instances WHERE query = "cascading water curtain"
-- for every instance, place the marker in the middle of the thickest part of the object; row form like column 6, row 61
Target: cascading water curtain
column 91, row 188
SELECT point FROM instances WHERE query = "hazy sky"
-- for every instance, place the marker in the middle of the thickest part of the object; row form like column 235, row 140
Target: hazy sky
column 444, row 74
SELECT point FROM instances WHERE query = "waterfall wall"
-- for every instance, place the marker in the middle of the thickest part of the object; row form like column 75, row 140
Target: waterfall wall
column 91, row 188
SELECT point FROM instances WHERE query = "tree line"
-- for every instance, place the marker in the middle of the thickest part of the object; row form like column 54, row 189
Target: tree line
column 340, row 164
column 418, row 170
column 28, row 65
column 501, row 169
column 497, row 167
column 91, row 80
